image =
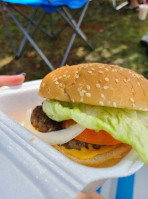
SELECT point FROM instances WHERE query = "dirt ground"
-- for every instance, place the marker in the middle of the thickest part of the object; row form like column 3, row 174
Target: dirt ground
column 115, row 34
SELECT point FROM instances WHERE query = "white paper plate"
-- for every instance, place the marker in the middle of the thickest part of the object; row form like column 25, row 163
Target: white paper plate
column 33, row 169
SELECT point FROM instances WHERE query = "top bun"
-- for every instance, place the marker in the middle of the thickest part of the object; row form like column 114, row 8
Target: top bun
column 97, row 84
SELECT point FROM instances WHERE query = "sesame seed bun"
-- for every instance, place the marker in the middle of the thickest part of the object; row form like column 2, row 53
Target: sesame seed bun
column 97, row 84
column 107, row 159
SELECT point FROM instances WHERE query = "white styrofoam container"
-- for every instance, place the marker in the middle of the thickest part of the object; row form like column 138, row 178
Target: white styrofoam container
column 33, row 168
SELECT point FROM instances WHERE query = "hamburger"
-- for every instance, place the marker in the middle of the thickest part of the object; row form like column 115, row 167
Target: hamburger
column 93, row 113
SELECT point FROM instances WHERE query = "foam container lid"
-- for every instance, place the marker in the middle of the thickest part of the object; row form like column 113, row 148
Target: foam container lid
column 30, row 168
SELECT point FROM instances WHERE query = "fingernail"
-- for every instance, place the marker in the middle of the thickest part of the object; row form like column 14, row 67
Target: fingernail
column 22, row 73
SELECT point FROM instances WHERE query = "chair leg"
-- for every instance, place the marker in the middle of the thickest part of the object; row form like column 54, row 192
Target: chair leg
column 31, row 22
column 24, row 42
column 8, row 29
column 52, row 26
column 73, row 24
column 74, row 35
column 81, row 34
column 29, row 19
column 30, row 39
column 65, row 25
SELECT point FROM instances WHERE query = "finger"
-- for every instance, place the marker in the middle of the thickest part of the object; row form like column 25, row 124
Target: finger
column 93, row 195
column 8, row 80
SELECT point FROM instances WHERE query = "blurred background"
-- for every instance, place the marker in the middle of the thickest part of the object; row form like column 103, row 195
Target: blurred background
column 115, row 34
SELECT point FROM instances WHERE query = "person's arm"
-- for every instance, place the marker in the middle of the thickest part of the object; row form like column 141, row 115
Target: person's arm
column 11, row 80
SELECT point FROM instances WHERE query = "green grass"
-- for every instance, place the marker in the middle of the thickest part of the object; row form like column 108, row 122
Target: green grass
column 115, row 34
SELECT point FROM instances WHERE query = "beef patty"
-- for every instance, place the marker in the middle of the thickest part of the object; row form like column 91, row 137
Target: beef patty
column 76, row 144
column 42, row 123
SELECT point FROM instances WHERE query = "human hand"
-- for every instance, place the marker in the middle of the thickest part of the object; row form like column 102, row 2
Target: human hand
column 93, row 195
column 11, row 80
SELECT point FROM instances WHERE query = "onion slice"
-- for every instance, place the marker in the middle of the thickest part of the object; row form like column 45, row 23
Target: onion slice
column 54, row 137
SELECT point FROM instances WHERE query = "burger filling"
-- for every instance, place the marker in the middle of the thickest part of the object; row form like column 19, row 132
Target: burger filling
column 85, row 131
column 44, row 124
column 103, row 125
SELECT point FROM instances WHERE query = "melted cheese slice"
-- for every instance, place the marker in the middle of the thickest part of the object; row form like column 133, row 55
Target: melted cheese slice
column 85, row 153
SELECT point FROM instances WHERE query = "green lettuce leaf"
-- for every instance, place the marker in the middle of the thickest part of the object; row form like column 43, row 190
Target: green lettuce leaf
column 128, row 126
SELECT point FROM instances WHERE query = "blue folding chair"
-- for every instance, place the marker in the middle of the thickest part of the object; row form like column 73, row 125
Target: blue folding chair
column 48, row 7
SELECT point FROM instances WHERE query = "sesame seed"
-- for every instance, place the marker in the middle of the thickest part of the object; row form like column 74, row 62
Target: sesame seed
column 137, row 75
column 64, row 86
column 114, row 70
column 57, row 82
column 102, row 95
column 73, row 100
column 98, row 85
column 68, row 76
column 125, row 80
column 131, row 99
column 55, row 79
column 106, row 87
column 138, row 83
column 107, row 69
column 81, row 93
column 114, row 104
column 64, row 75
column 106, row 79
column 114, row 65
column 61, row 84
column 90, row 71
column 133, row 74
column 101, row 103
column 43, row 84
column 84, row 91
column 100, row 71
column 81, row 99
column 132, row 90
column 88, row 94
column 77, row 76
column 116, row 80
column 88, row 87
column 60, row 77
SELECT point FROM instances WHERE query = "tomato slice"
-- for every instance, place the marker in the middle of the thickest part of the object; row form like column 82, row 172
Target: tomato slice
column 67, row 123
column 93, row 137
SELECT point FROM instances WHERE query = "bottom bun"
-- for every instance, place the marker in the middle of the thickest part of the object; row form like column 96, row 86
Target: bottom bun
column 107, row 159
